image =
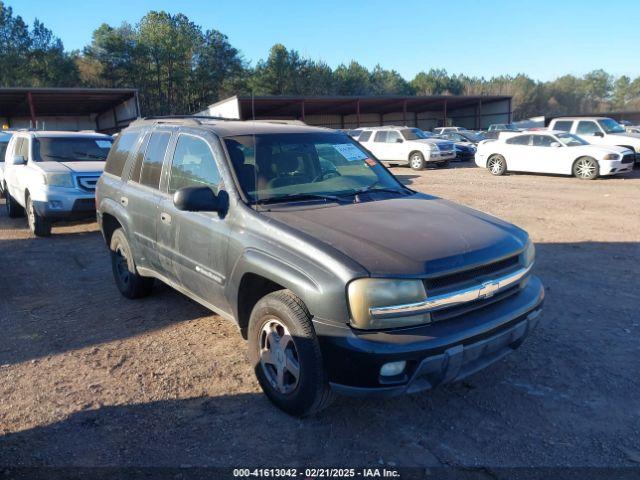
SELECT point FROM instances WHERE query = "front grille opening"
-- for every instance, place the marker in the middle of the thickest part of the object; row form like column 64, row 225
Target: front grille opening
column 445, row 281
column 456, row 311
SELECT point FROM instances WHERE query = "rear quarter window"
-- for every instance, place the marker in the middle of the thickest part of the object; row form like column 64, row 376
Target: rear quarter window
column 364, row 136
column 564, row 125
column 120, row 152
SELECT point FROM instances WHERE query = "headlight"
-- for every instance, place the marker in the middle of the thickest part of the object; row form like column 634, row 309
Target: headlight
column 528, row 254
column 611, row 156
column 638, row 148
column 59, row 180
column 366, row 293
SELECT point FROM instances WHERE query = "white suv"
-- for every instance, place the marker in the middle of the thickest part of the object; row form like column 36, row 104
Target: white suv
column 599, row 131
column 441, row 130
column 53, row 175
column 406, row 145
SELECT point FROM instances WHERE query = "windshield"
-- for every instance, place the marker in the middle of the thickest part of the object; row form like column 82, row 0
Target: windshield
column 570, row 140
column 413, row 134
column 4, row 141
column 71, row 149
column 270, row 167
column 611, row 126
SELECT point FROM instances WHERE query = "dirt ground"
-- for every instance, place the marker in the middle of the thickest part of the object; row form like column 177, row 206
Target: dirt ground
column 88, row 378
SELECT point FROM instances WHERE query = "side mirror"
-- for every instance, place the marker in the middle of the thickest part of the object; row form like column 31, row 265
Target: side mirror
column 200, row 199
column 556, row 144
column 399, row 140
column 598, row 134
column 19, row 160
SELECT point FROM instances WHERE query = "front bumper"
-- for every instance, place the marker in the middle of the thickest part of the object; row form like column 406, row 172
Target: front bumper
column 440, row 156
column 57, row 203
column 438, row 353
column 613, row 167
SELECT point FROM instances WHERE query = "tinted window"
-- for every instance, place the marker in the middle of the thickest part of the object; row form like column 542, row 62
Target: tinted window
column 120, row 152
column 519, row 140
column 193, row 165
column 587, row 128
column 137, row 160
column 381, row 136
column 153, row 158
column 393, row 137
column 4, row 142
column 413, row 134
column 364, row 136
column 564, row 125
column 543, row 140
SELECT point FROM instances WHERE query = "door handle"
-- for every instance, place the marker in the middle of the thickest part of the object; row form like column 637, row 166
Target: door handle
column 124, row 201
column 165, row 218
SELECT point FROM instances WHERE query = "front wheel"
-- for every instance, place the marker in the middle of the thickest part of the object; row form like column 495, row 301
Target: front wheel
column 586, row 168
column 497, row 165
column 285, row 353
column 416, row 161
column 39, row 226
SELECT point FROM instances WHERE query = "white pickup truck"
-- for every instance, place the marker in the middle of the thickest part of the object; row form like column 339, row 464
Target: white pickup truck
column 599, row 131
column 53, row 175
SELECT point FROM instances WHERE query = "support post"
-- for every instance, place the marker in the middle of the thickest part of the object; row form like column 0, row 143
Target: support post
column 302, row 109
column 479, row 115
column 444, row 120
column 358, row 112
column 32, row 110
column 404, row 112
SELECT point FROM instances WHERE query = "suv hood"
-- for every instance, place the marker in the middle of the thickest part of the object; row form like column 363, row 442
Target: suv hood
column 635, row 136
column 84, row 166
column 412, row 236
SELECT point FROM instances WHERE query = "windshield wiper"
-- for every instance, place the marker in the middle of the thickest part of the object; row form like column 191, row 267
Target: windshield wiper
column 297, row 196
column 59, row 157
column 90, row 155
column 371, row 189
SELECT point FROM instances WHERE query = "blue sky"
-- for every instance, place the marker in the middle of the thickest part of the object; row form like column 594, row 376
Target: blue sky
column 542, row 38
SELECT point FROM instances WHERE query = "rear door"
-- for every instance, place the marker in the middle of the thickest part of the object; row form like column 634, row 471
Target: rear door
column 518, row 153
column 142, row 196
column 197, row 240
column 379, row 145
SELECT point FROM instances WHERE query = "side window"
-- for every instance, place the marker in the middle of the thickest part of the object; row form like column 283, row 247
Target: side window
column 542, row 140
column 381, row 136
column 153, row 158
column 16, row 147
column 365, row 136
column 136, row 167
column 193, row 165
column 393, row 136
column 564, row 125
column 519, row 140
column 120, row 152
column 587, row 128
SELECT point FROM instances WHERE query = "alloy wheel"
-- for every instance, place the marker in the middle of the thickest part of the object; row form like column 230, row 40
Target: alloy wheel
column 585, row 168
column 416, row 161
column 279, row 357
column 495, row 165
column 31, row 216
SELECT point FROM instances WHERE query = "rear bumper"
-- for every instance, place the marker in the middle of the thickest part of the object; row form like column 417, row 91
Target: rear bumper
column 439, row 353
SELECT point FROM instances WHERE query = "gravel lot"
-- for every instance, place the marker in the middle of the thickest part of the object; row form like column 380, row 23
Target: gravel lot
column 88, row 378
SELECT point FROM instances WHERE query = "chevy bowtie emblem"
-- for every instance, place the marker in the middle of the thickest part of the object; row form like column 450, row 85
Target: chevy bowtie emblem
column 488, row 289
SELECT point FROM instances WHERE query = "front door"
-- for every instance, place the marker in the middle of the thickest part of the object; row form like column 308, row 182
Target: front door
column 200, row 239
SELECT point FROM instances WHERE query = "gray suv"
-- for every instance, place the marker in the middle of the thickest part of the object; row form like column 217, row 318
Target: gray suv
column 342, row 279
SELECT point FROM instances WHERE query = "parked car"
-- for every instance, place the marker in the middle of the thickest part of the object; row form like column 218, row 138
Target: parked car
column 599, row 131
column 52, row 175
column 441, row 130
column 468, row 137
column 404, row 145
column 552, row 152
column 342, row 279
column 4, row 141
column 464, row 151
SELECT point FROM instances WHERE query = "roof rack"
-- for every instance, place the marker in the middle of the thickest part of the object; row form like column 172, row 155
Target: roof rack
column 187, row 119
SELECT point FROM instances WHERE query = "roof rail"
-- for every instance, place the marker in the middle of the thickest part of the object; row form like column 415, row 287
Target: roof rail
column 279, row 121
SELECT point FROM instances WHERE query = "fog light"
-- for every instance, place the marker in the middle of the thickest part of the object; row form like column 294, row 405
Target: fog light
column 55, row 203
column 392, row 369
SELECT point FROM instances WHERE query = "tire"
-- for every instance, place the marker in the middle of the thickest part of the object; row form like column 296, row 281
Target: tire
column 497, row 165
column 416, row 161
column 128, row 281
column 39, row 226
column 283, row 344
column 586, row 168
column 14, row 209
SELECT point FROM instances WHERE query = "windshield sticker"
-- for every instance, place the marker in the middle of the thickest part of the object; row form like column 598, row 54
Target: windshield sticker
column 350, row 151
column 103, row 143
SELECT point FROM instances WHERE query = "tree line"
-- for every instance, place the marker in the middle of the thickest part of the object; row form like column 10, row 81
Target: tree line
column 179, row 67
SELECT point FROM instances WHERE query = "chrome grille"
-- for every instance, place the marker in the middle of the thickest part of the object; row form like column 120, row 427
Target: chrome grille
column 87, row 182
column 457, row 278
